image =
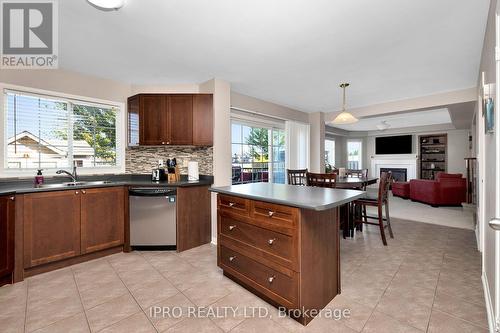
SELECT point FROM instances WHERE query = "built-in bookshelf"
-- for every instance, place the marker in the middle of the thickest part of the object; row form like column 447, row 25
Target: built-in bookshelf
column 433, row 155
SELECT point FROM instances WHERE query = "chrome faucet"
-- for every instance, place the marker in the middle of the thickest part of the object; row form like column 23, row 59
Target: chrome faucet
column 74, row 175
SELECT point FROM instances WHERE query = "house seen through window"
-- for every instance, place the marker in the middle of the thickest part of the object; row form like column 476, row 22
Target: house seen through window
column 50, row 133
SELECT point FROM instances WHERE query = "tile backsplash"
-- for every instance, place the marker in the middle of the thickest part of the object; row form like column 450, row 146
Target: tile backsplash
column 143, row 159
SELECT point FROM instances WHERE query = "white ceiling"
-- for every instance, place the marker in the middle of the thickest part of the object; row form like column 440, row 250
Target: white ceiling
column 291, row 52
column 402, row 120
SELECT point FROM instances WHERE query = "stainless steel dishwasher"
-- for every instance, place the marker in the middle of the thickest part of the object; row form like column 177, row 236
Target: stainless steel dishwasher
column 153, row 218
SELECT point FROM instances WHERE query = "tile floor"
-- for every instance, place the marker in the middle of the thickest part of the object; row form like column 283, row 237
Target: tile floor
column 426, row 280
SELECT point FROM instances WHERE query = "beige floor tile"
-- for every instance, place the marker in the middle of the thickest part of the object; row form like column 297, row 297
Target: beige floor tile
column 404, row 310
column 136, row 279
column 458, row 308
column 12, row 323
column 198, row 325
column 206, row 293
column 411, row 292
column 443, row 323
column 154, row 292
column 358, row 313
column 259, row 325
column 75, row 324
column 381, row 323
column 111, row 312
column 171, row 311
column 41, row 314
column 137, row 323
column 102, row 293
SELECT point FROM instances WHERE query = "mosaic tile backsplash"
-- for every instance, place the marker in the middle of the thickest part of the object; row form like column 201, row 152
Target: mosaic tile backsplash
column 143, row 159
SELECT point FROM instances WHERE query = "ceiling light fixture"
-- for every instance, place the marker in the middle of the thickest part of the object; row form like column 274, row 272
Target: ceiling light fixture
column 107, row 4
column 344, row 117
column 383, row 125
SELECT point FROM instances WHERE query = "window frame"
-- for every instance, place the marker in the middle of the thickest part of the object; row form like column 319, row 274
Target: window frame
column 270, row 126
column 120, row 133
column 334, row 150
column 360, row 141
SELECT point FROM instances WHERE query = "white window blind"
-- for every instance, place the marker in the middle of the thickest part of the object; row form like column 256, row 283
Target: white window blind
column 45, row 132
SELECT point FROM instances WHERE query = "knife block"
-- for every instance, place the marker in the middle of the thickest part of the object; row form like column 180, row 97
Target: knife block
column 174, row 177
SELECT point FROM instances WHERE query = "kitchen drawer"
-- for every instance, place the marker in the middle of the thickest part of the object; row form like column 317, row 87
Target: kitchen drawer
column 233, row 204
column 276, row 217
column 273, row 283
column 277, row 246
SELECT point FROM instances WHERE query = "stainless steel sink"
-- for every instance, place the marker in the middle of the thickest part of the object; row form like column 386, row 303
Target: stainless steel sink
column 73, row 184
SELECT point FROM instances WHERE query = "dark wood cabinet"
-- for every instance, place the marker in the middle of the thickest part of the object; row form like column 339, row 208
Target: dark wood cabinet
column 7, row 220
column 153, row 117
column 180, row 113
column 170, row 119
column 65, row 224
column 203, row 128
column 51, row 227
column 102, row 217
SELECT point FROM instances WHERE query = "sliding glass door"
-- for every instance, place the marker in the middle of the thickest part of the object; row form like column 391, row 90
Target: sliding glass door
column 258, row 153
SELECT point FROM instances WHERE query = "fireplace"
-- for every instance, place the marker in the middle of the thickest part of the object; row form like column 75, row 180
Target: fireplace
column 398, row 174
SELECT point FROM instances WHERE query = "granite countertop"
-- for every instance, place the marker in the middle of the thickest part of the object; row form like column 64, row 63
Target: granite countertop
column 23, row 185
column 308, row 197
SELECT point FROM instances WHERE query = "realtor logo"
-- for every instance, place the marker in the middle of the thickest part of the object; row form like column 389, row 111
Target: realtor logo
column 29, row 34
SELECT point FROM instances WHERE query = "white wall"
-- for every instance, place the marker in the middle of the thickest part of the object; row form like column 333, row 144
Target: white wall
column 458, row 148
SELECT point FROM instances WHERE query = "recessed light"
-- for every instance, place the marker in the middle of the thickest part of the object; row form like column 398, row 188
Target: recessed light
column 107, row 4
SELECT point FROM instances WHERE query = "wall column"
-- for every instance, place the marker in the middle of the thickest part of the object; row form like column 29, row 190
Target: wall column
column 317, row 142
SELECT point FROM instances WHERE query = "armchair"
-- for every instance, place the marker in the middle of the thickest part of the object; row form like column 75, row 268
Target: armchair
column 446, row 190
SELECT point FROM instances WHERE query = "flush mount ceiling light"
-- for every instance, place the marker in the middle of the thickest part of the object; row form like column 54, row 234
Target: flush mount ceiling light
column 383, row 125
column 107, row 4
column 344, row 117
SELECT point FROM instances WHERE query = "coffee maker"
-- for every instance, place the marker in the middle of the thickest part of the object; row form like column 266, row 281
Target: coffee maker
column 159, row 173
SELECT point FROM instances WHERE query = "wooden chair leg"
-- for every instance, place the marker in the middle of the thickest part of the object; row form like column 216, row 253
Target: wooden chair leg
column 388, row 220
column 381, row 225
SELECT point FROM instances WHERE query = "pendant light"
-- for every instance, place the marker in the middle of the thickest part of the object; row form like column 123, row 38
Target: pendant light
column 344, row 117
column 107, row 4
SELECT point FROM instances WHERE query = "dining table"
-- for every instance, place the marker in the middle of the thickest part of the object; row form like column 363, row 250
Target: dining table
column 354, row 182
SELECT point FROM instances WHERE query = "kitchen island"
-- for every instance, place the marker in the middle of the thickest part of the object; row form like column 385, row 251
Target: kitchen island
column 282, row 243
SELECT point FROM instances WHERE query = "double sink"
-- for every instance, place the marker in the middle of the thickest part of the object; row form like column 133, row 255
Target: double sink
column 73, row 184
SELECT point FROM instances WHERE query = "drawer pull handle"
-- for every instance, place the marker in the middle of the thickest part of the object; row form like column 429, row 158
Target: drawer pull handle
column 12, row 198
column 231, row 204
column 76, row 192
column 271, row 213
column 271, row 241
column 231, row 227
column 270, row 279
column 83, row 191
column 232, row 258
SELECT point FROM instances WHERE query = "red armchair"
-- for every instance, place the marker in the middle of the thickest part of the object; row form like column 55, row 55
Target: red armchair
column 446, row 190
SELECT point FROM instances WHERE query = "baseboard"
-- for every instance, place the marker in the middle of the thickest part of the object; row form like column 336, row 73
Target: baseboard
column 214, row 240
column 489, row 304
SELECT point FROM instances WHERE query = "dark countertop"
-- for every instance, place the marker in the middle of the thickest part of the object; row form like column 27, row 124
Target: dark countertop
column 23, row 185
column 308, row 197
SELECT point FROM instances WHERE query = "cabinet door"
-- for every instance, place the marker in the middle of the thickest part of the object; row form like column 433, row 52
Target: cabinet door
column 7, row 217
column 153, row 129
column 133, row 120
column 51, row 226
column 102, row 218
column 203, row 120
column 180, row 110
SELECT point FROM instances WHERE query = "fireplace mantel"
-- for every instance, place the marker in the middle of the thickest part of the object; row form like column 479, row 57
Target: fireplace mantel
column 410, row 164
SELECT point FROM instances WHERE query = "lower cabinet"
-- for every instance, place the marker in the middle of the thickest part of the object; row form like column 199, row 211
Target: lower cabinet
column 7, row 211
column 102, row 218
column 64, row 224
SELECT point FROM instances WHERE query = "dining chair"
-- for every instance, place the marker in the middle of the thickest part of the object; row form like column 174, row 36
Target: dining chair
column 380, row 202
column 321, row 179
column 296, row 177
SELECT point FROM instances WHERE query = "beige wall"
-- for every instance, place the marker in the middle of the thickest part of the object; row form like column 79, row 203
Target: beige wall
column 67, row 82
column 253, row 104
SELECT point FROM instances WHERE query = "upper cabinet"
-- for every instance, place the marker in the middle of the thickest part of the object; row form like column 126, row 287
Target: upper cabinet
column 170, row 119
